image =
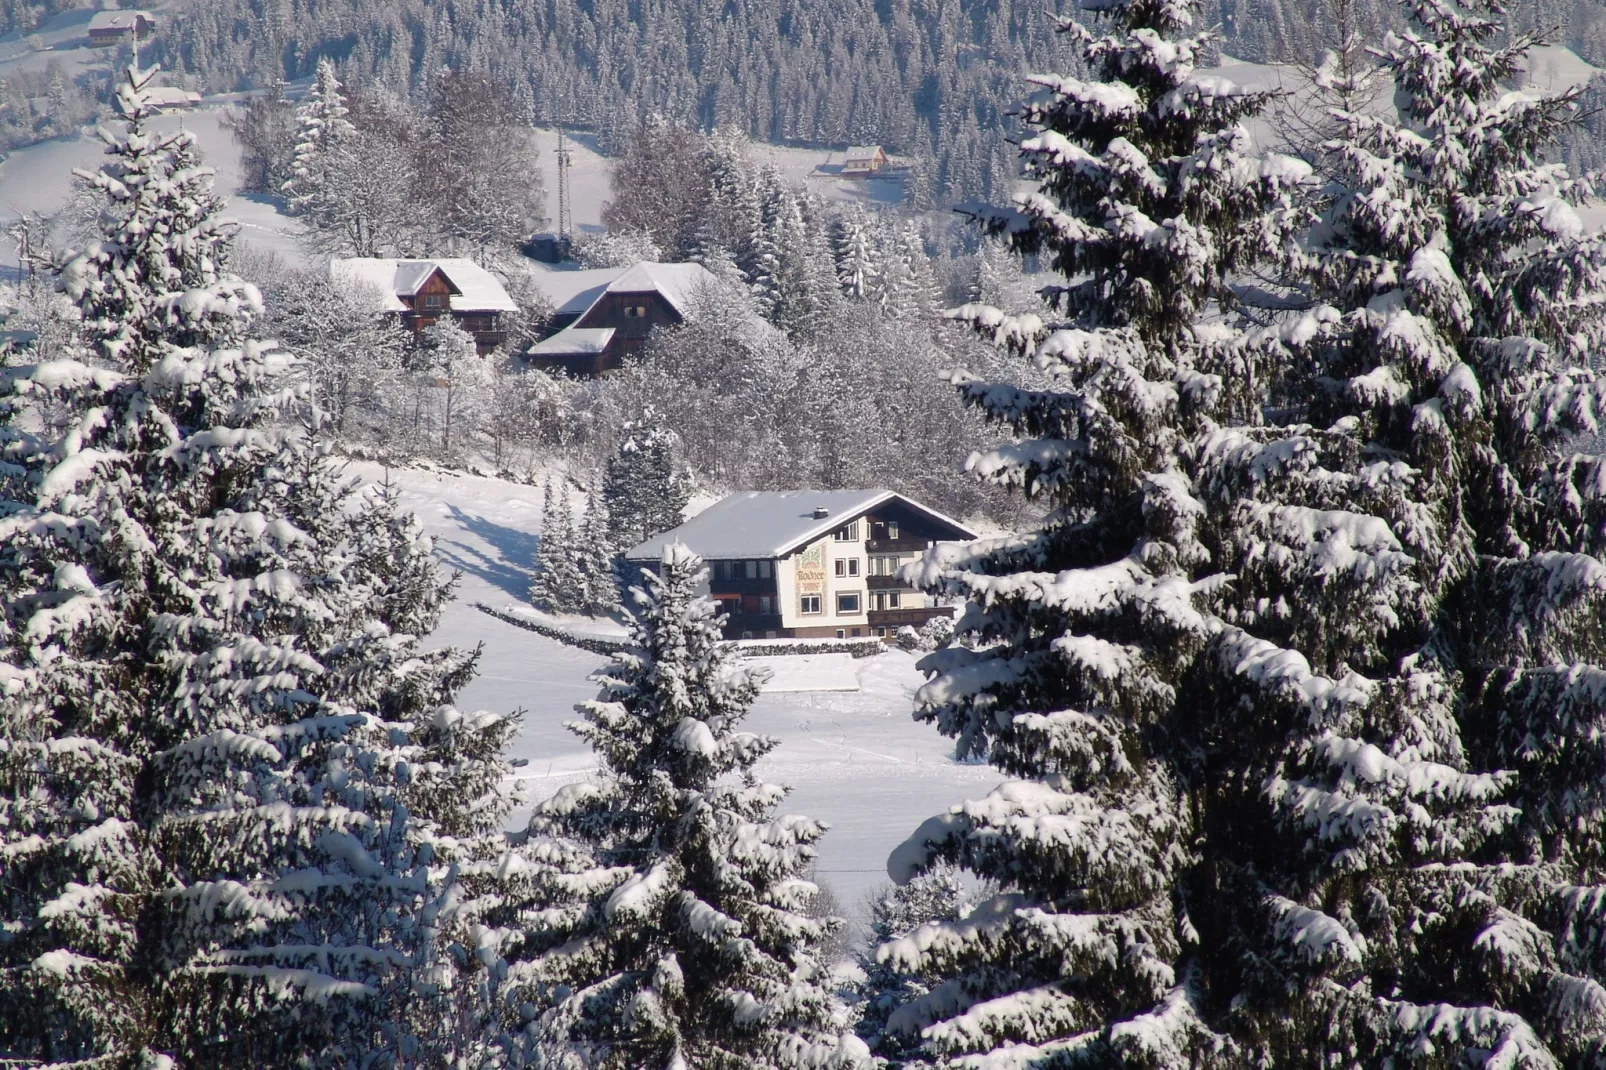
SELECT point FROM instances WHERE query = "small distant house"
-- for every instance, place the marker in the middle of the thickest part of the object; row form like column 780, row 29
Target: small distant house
column 108, row 28
column 605, row 314
column 420, row 292
column 863, row 160
column 171, row 98
column 812, row 564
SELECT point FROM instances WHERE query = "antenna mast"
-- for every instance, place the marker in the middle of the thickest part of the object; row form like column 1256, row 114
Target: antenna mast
column 565, row 223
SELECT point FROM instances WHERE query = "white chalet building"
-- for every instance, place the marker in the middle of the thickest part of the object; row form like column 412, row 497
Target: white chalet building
column 812, row 564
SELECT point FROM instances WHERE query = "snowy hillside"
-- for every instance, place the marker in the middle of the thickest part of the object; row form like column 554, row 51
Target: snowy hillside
column 855, row 759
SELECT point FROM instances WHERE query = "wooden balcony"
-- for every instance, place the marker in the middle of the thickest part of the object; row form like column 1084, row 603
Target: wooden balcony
column 904, row 544
column 914, row 618
column 887, row 583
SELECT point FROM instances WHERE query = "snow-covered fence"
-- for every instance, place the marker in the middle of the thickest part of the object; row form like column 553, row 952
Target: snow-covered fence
column 746, row 648
column 774, row 648
column 597, row 644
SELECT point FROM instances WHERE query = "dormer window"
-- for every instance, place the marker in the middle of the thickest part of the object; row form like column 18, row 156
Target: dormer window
column 433, row 301
column 636, row 312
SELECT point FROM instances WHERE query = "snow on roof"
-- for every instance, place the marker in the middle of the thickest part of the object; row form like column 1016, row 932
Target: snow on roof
column 411, row 274
column 676, row 282
column 477, row 289
column 862, row 152
column 167, row 96
column 372, row 272
column 474, row 288
column 119, row 20
column 571, row 341
column 572, row 291
column 771, row 523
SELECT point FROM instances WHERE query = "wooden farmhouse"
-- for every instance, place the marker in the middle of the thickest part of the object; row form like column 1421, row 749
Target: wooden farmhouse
column 861, row 161
column 606, row 314
column 420, row 292
column 111, row 28
column 812, row 564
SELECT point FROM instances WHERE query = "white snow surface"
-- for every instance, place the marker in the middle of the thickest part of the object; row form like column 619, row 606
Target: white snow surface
column 808, row 672
column 854, row 759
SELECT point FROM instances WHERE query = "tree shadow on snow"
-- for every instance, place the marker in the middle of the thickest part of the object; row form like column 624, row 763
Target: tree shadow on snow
column 505, row 565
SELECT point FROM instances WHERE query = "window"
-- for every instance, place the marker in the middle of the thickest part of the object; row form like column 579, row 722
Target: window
column 881, row 632
column 892, row 599
column 766, row 604
column 883, row 566
column 764, row 570
column 752, row 569
column 886, row 600
column 847, row 604
column 855, row 633
column 892, row 529
column 432, row 300
column 847, row 534
column 636, row 312
column 847, row 566
column 721, row 570
column 841, row 633
column 809, row 604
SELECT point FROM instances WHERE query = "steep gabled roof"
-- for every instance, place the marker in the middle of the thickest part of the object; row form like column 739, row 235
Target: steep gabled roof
column 476, row 289
column 473, row 288
column 861, row 152
column 676, row 282
column 572, row 291
column 773, row 523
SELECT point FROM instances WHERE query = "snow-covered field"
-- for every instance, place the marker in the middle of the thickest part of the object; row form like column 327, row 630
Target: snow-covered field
column 854, row 758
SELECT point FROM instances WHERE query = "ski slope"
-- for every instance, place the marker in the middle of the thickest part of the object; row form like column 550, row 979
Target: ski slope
column 853, row 758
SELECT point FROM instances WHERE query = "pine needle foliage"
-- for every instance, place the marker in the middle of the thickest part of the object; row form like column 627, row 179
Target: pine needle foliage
column 1297, row 677
column 668, row 922
column 234, row 797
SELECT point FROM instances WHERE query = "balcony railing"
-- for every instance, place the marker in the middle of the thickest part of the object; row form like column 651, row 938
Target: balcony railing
column 897, row 618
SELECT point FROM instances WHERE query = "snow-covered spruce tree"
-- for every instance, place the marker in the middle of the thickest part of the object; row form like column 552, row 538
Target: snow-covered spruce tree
column 233, row 800
column 542, row 582
column 935, row 895
column 596, row 559
column 321, row 128
column 645, row 491
column 858, row 258
column 1081, row 633
column 1401, row 724
column 559, row 584
column 671, row 928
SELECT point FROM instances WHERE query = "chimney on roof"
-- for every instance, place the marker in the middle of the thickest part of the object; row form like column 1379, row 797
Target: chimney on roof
column 821, row 512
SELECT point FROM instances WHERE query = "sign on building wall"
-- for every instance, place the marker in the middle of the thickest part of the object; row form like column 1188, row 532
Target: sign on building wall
column 810, row 570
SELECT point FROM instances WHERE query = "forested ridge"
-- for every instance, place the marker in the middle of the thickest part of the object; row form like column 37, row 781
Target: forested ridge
column 926, row 78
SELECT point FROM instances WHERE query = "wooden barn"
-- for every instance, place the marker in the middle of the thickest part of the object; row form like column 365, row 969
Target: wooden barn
column 605, row 314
